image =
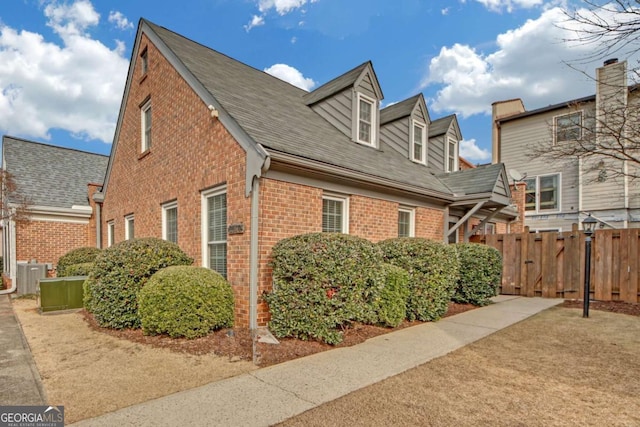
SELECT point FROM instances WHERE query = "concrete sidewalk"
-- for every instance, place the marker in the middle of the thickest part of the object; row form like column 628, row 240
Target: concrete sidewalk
column 19, row 378
column 273, row 394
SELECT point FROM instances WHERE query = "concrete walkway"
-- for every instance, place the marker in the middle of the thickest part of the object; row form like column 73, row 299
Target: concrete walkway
column 20, row 382
column 273, row 394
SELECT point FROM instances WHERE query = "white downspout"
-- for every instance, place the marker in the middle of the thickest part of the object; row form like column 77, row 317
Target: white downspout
column 13, row 264
column 253, row 255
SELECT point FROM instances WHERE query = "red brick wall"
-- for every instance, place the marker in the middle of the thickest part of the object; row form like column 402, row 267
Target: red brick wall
column 518, row 192
column 47, row 241
column 373, row 219
column 190, row 152
column 430, row 223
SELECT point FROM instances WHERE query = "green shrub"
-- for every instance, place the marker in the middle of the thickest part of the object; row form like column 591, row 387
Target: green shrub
column 390, row 303
column 76, row 256
column 433, row 272
column 185, row 301
column 78, row 269
column 120, row 272
column 480, row 273
column 321, row 282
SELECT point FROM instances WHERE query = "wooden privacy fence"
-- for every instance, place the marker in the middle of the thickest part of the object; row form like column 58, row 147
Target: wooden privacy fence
column 551, row 265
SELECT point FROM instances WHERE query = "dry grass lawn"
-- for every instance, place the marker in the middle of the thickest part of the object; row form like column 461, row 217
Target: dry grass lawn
column 555, row 369
column 92, row 373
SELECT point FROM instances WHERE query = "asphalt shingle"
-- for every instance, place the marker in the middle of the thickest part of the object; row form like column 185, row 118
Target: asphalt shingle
column 52, row 176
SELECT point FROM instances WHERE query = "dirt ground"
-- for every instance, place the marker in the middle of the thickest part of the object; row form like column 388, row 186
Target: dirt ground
column 92, row 373
column 554, row 369
column 73, row 354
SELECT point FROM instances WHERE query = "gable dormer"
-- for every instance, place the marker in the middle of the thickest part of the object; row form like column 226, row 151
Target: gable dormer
column 444, row 144
column 404, row 126
column 351, row 103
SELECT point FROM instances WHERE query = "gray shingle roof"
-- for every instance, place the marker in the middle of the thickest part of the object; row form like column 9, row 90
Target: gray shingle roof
column 478, row 180
column 52, row 176
column 440, row 126
column 399, row 110
column 336, row 85
column 274, row 114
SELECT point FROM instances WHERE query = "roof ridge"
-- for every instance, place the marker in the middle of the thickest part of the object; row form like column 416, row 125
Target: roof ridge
column 17, row 139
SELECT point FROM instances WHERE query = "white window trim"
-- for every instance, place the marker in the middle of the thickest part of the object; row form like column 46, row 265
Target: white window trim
column 144, row 58
column 537, row 210
column 374, row 120
column 203, row 223
column 446, row 157
column 144, row 143
column 110, row 233
column 412, row 220
column 127, row 230
column 345, row 209
column 555, row 125
column 165, row 207
column 421, row 125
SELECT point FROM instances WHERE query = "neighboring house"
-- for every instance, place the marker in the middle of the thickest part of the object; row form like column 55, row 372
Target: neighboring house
column 465, row 164
column 562, row 193
column 58, row 184
column 226, row 160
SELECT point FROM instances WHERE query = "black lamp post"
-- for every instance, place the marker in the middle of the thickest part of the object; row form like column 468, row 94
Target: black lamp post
column 588, row 226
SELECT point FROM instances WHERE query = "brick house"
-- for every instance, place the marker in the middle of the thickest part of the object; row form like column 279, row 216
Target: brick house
column 59, row 184
column 227, row 160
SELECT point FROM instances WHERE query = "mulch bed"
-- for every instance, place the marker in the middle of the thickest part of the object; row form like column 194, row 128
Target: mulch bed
column 236, row 344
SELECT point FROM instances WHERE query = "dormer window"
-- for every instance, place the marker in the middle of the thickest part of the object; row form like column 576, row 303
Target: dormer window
column 419, row 142
column 366, row 120
column 452, row 155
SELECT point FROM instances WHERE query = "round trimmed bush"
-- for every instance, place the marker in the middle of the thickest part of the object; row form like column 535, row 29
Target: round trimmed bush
column 321, row 282
column 480, row 273
column 185, row 301
column 390, row 303
column 433, row 273
column 83, row 269
column 118, row 274
column 82, row 255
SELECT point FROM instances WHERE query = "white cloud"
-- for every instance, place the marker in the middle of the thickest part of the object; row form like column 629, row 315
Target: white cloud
column 289, row 74
column 529, row 62
column 509, row 5
column 120, row 20
column 281, row 6
column 75, row 86
column 445, row 11
column 256, row 21
column 470, row 151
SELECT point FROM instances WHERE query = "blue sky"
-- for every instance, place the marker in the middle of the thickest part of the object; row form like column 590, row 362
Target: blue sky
column 63, row 64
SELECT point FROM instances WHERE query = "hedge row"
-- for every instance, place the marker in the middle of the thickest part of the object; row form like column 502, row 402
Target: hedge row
column 322, row 282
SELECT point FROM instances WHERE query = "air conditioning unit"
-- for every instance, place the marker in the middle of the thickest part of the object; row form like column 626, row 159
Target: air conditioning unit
column 27, row 277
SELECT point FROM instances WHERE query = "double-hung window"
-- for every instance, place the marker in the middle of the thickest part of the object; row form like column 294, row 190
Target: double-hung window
column 419, row 143
column 170, row 222
column 111, row 230
column 568, row 127
column 129, row 230
column 406, row 227
column 335, row 214
column 452, row 155
column 145, row 117
column 214, row 217
column 543, row 193
column 366, row 117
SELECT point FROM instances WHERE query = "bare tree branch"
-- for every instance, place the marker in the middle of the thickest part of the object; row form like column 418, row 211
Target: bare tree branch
column 13, row 205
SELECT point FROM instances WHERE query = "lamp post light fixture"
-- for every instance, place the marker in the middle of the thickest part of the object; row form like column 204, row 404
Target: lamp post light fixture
column 588, row 226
